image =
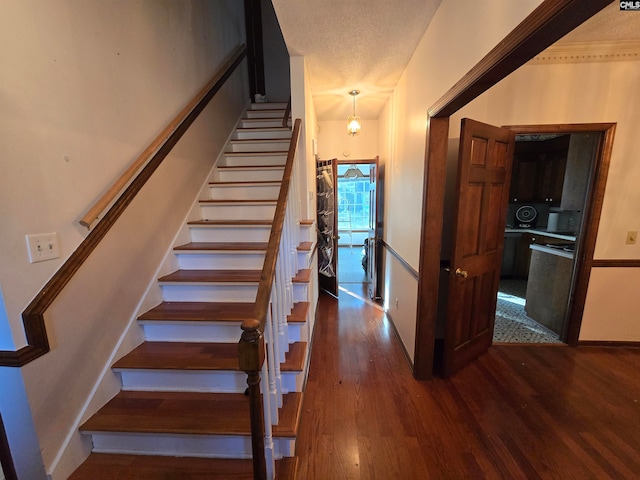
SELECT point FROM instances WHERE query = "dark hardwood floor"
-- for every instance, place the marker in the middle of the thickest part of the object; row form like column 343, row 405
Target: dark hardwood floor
column 518, row 412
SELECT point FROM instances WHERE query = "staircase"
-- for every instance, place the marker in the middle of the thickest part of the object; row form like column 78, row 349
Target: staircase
column 182, row 411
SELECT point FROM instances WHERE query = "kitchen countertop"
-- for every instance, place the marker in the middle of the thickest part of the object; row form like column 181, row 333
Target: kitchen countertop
column 540, row 231
column 552, row 251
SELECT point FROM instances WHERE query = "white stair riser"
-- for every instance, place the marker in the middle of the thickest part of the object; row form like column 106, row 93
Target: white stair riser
column 300, row 292
column 209, row 292
column 292, row 383
column 258, row 146
column 271, row 114
column 261, row 122
column 196, row 381
column 268, row 106
column 304, row 259
column 212, row 446
column 163, row 331
column 250, row 174
column 220, row 261
column 220, row 446
column 243, row 211
column 218, row 332
column 262, row 134
column 243, row 159
column 307, row 233
column 244, row 192
column 229, row 233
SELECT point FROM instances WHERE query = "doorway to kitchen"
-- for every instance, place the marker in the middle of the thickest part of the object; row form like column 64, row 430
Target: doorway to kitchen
column 551, row 189
column 356, row 217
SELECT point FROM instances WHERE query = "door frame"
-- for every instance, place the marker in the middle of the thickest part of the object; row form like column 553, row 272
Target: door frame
column 586, row 244
column 549, row 22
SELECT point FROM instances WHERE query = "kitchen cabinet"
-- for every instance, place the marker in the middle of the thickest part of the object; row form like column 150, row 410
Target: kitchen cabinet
column 539, row 171
column 548, row 289
column 523, row 254
column 582, row 148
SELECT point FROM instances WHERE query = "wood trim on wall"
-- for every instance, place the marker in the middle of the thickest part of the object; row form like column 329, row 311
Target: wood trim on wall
column 549, row 22
column 8, row 467
column 599, row 343
column 631, row 263
column 33, row 316
column 414, row 273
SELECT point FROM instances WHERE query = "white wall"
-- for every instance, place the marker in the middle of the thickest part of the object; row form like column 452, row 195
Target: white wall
column 334, row 142
column 586, row 93
column 276, row 56
column 460, row 34
column 86, row 85
column 302, row 107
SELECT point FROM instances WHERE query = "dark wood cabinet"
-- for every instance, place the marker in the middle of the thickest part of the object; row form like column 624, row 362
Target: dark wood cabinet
column 538, row 171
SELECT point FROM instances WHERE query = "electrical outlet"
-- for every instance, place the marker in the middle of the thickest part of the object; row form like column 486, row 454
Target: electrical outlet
column 43, row 246
column 632, row 237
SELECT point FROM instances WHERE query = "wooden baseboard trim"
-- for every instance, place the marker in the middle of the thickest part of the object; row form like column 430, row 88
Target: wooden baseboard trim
column 8, row 468
column 606, row 343
column 397, row 334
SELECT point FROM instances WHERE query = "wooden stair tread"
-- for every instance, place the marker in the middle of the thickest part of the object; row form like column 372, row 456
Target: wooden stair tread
column 248, row 200
column 299, row 312
column 212, row 276
column 249, row 223
column 247, row 182
column 200, row 312
column 294, row 358
column 114, row 466
column 266, row 153
column 305, row 246
column 286, row 468
column 187, row 413
column 261, row 167
column 303, row 276
column 224, row 246
column 182, row 356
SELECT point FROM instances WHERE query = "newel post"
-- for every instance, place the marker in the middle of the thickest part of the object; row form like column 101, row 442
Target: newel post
column 251, row 358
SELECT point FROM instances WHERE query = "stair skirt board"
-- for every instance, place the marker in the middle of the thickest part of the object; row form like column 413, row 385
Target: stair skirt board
column 198, row 381
column 210, row 446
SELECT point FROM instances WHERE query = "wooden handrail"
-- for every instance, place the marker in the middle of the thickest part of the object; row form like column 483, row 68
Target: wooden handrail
column 33, row 316
column 102, row 203
column 251, row 346
column 287, row 112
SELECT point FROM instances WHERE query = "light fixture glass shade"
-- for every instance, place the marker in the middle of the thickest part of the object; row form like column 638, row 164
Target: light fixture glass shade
column 353, row 172
column 354, row 125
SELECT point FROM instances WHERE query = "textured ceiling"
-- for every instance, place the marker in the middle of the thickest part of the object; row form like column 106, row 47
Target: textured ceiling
column 366, row 44
column 359, row 44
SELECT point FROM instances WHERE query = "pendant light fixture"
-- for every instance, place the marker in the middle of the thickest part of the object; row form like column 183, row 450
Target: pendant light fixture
column 353, row 122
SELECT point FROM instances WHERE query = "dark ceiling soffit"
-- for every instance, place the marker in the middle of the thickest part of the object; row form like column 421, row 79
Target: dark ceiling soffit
column 552, row 20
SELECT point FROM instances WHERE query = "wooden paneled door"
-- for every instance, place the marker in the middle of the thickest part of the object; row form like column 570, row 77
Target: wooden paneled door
column 482, row 190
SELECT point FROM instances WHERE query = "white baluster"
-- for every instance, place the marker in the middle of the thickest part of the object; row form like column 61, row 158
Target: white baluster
column 269, row 448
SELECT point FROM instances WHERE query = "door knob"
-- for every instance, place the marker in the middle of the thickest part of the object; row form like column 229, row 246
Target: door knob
column 461, row 273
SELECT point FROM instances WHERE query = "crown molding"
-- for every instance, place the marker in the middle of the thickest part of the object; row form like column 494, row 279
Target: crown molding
column 588, row 52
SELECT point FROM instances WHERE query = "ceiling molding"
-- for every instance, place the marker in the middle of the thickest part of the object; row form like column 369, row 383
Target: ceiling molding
column 589, row 52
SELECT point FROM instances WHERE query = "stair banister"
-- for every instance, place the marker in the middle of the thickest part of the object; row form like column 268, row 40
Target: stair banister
column 251, row 347
column 33, row 315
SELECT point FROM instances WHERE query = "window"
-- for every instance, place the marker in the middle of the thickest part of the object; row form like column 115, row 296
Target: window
column 353, row 199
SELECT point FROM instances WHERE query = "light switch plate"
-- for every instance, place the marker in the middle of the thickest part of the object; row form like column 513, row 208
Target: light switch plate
column 43, row 246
